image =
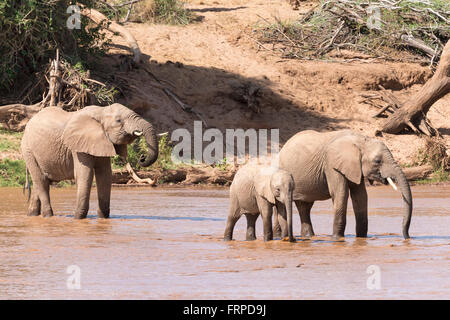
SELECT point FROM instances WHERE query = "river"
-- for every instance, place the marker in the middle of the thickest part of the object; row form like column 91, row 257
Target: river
column 166, row 243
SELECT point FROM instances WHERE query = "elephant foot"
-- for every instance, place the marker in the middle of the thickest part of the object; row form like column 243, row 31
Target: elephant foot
column 34, row 209
column 361, row 235
column 33, row 213
column 268, row 237
column 47, row 214
column 227, row 238
column 307, row 231
column 103, row 214
column 80, row 216
column 250, row 238
column 337, row 237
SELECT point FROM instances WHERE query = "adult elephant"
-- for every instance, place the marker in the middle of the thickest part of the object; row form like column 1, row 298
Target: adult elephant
column 59, row 145
column 334, row 165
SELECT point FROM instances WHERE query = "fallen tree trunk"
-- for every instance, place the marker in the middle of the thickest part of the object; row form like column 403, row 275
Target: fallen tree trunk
column 98, row 18
column 412, row 113
column 417, row 173
column 184, row 176
column 26, row 112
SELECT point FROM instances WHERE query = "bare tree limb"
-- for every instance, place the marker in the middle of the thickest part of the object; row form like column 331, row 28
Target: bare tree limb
column 98, row 18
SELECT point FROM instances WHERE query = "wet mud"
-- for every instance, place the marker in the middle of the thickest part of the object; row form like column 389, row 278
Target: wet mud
column 166, row 243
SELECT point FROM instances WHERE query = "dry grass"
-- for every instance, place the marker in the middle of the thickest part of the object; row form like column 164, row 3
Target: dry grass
column 162, row 11
column 434, row 153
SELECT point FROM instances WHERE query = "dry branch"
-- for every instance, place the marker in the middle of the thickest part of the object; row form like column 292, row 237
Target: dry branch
column 417, row 173
column 337, row 24
column 414, row 110
column 99, row 18
column 136, row 178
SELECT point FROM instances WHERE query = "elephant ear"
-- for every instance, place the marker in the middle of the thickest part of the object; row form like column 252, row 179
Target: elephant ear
column 262, row 187
column 344, row 156
column 85, row 134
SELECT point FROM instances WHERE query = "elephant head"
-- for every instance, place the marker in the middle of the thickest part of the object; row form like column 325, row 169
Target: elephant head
column 106, row 131
column 278, row 185
column 357, row 157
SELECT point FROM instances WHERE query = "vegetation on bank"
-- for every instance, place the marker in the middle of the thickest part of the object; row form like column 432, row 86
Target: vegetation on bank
column 138, row 147
column 171, row 12
column 434, row 153
column 392, row 30
column 12, row 173
column 30, row 32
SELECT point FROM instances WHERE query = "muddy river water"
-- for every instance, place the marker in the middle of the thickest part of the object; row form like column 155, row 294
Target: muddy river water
column 166, row 243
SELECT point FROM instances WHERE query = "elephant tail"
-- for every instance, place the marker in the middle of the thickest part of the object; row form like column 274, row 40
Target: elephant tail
column 27, row 185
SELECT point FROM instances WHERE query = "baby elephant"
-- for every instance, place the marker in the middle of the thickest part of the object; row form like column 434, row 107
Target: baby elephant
column 257, row 189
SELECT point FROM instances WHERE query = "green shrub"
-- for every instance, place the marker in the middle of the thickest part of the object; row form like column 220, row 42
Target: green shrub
column 12, row 173
column 139, row 146
column 30, row 32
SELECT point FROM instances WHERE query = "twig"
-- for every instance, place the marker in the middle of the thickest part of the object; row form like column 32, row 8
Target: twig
column 136, row 177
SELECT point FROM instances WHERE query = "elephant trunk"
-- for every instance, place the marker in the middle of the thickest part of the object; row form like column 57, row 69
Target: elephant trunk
column 288, row 206
column 394, row 172
column 142, row 127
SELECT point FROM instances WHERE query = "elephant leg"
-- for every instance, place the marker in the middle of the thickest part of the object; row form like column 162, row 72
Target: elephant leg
column 34, row 208
column 46, row 208
column 233, row 217
column 340, row 199
column 277, row 229
column 358, row 194
column 84, row 174
column 281, row 219
column 265, row 208
column 304, row 211
column 40, row 195
column 103, row 179
column 251, row 222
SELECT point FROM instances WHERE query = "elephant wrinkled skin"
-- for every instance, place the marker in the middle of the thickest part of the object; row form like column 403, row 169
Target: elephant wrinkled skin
column 258, row 189
column 334, row 165
column 59, row 145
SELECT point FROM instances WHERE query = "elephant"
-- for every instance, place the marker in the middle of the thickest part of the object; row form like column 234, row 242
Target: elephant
column 333, row 165
column 258, row 189
column 59, row 145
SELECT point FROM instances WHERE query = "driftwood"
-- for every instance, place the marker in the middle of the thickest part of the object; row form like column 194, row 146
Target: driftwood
column 99, row 18
column 136, row 178
column 413, row 112
column 417, row 173
column 184, row 175
column 362, row 26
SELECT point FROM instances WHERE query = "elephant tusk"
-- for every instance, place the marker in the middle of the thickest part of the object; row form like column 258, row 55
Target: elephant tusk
column 138, row 133
column 392, row 183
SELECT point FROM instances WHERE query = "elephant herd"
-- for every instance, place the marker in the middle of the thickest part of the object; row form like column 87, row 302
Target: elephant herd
column 316, row 166
column 59, row 145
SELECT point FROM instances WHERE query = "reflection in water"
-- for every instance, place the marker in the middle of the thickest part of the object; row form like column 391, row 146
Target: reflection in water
column 167, row 243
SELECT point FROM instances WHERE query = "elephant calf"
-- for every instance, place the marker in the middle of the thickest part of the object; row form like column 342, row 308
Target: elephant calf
column 59, row 145
column 257, row 189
